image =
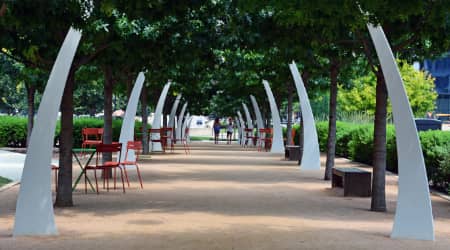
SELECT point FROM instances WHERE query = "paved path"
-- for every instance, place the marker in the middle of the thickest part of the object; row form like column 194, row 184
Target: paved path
column 11, row 165
column 223, row 197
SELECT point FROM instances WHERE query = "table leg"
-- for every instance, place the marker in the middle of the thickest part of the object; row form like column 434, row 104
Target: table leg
column 83, row 171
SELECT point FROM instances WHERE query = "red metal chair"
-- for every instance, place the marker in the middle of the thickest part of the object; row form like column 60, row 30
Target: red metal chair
column 137, row 147
column 91, row 137
column 249, row 137
column 154, row 139
column 265, row 139
column 184, row 141
column 167, row 135
column 106, row 166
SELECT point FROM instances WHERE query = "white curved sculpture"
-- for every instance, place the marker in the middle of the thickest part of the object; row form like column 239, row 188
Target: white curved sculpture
column 34, row 209
column 180, row 121
column 185, row 123
column 311, row 153
column 238, row 124
column 127, row 130
column 173, row 111
column 277, row 139
column 259, row 121
column 156, row 146
column 188, row 137
column 241, row 131
column 413, row 216
column 248, row 116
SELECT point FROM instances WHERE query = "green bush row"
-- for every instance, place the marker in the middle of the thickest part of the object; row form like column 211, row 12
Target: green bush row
column 355, row 141
column 13, row 130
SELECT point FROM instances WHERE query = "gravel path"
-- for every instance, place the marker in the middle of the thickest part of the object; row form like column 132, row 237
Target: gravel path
column 223, row 197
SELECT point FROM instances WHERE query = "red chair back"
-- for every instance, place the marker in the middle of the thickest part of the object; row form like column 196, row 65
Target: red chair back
column 92, row 133
column 136, row 146
column 108, row 148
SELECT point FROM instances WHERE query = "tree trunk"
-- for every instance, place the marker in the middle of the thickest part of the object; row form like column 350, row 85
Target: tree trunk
column 107, row 113
column 378, row 202
column 331, row 141
column 145, row 148
column 31, row 90
column 164, row 120
column 129, row 84
column 289, row 113
column 64, row 194
column 2, row 9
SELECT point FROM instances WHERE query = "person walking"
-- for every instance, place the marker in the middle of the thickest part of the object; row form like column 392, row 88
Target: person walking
column 230, row 129
column 216, row 129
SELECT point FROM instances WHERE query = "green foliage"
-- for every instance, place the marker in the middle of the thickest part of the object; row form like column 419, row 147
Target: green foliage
column 420, row 89
column 13, row 130
column 361, row 97
column 322, row 134
column 4, row 181
column 355, row 141
column 361, row 144
column 80, row 123
column 436, row 150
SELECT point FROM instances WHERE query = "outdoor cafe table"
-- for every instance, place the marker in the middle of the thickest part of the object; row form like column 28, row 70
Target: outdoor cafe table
column 75, row 153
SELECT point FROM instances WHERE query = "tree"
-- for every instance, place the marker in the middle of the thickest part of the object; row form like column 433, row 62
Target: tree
column 419, row 87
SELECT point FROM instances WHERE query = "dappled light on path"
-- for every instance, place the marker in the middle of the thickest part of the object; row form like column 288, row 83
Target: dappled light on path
column 223, row 197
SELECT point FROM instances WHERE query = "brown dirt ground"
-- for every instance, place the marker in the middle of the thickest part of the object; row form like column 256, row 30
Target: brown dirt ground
column 223, row 197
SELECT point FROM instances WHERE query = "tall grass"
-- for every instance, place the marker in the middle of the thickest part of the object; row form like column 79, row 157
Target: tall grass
column 356, row 117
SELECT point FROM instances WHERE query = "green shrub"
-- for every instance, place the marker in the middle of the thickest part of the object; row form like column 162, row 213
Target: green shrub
column 322, row 134
column 343, row 138
column 80, row 123
column 361, row 144
column 13, row 131
column 355, row 141
column 436, row 151
column 391, row 149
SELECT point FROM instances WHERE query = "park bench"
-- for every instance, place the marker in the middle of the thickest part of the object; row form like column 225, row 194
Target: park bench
column 355, row 181
column 292, row 153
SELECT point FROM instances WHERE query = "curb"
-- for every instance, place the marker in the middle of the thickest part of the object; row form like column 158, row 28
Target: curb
column 440, row 194
column 9, row 185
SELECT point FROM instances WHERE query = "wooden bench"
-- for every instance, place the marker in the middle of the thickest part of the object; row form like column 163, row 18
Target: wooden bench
column 292, row 153
column 355, row 181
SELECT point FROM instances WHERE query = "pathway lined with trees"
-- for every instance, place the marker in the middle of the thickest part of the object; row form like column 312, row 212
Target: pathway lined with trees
column 223, row 197
column 216, row 53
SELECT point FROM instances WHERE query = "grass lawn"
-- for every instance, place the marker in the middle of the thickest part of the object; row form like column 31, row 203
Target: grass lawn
column 4, row 181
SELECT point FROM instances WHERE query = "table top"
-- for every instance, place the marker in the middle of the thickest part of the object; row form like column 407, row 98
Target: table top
column 83, row 150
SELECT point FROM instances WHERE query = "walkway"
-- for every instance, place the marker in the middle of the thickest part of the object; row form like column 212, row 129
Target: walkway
column 223, row 197
column 11, row 165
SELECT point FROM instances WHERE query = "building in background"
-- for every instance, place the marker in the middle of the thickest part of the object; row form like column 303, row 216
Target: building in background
column 440, row 70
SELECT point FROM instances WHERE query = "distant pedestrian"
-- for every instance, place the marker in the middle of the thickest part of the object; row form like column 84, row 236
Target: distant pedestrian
column 230, row 129
column 216, row 128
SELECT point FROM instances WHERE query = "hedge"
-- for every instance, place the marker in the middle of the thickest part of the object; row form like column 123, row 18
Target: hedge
column 355, row 141
column 13, row 130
